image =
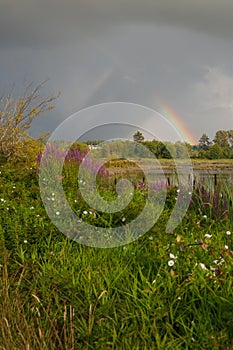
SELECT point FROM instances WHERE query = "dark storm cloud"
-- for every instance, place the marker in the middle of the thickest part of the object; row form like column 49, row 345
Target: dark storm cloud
column 48, row 22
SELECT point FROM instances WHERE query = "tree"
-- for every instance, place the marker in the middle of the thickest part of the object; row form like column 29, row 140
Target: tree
column 230, row 138
column 215, row 151
column 221, row 138
column 138, row 137
column 204, row 142
column 16, row 117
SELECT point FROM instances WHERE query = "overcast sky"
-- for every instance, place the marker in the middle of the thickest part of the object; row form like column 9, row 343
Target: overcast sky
column 150, row 52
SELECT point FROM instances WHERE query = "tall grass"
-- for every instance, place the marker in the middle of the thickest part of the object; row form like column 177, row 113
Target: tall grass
column 163, row 291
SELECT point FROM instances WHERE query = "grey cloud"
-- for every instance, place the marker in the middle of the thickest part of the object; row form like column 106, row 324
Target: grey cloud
column 32, row 22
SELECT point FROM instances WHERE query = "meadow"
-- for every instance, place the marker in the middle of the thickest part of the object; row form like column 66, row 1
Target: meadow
column 162, row 291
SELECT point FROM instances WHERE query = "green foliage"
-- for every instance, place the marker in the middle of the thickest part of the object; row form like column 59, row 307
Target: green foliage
column 204, row 142
column 138, row 137
column 58, row 294
column 215, row 152
column 16, row 117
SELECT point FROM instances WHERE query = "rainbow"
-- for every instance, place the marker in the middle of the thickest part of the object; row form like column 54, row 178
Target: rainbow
column 171, row 115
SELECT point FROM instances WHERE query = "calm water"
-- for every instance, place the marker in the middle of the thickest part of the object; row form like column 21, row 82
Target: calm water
column 203, row 176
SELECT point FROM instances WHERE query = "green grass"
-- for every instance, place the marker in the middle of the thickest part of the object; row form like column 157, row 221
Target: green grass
column 58, row 294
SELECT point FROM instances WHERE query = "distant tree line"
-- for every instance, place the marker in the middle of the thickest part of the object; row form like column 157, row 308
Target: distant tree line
column 218, row 148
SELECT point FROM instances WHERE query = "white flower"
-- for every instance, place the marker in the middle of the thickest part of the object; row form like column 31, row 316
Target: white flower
column 57, row 212
column 207, row 235
column 178, row 191
column 85, row 212
column 7, row 208
column 171, row 262
column 172, row 256
column 190, row 193
column 2, row 200
column 31, row 208
column 14, row 186
column 25, row 241
column 205, row 216
column 150, row 238
column 53, row 194
column 226, row 246
column 203, row 266
column 228, row 233
column 75, row 201
column 52, row 198
column 123, row 219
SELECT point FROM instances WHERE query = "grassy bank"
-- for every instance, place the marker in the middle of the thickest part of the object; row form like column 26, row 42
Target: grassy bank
column 163, row 291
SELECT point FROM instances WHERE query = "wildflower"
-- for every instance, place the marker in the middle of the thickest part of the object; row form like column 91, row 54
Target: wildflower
column 53, row 194
column 2, row 200
column 226, row 246
column 123, row 219
column 178, row 190
column 171, row 262
column 228, row 233
column 190, row 193
column 150, row 238
column 7, row 208
column 85, row 212
column 52, row 198
column 57, row 212
column 205, row 216
column 172, row 256
column 31, row 208
column 207, row 235
column 25, row 241
column 219, row 262
column 203, row 266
